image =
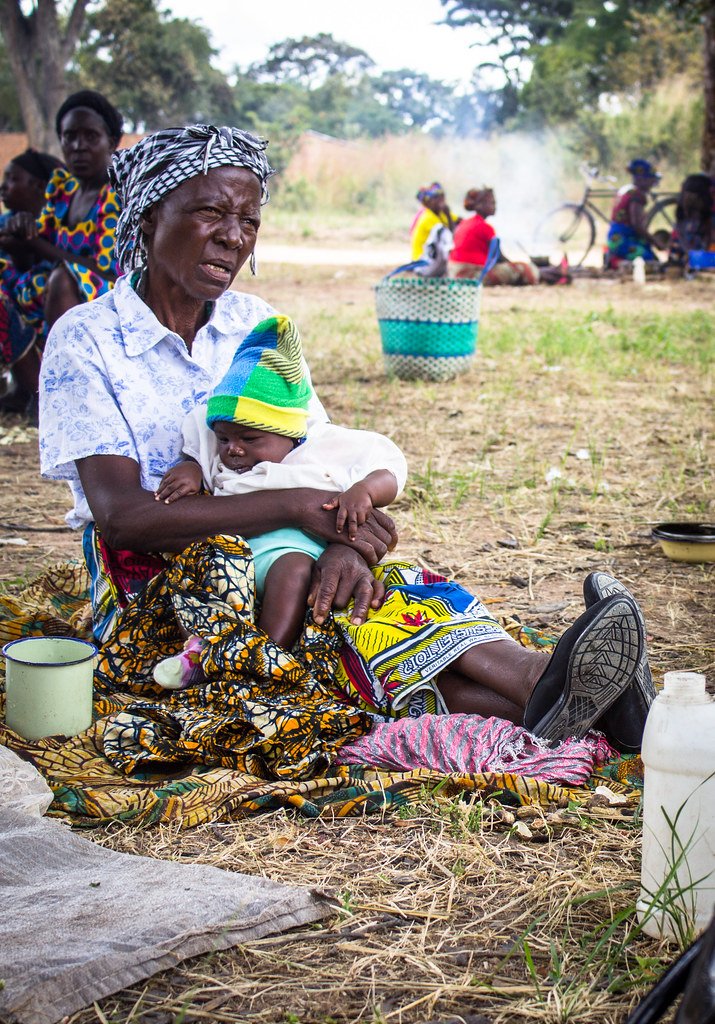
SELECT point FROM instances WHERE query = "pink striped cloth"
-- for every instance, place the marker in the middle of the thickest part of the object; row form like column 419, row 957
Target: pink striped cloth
column 471, row 744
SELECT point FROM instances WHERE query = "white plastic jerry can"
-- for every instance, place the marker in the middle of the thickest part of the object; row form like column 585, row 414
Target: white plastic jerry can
column 678, row 864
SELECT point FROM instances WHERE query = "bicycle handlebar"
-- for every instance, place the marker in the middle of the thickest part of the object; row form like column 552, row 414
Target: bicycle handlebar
column 593, row 174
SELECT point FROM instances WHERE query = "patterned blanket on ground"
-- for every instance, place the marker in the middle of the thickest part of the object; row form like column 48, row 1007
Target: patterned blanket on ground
column 432, row 753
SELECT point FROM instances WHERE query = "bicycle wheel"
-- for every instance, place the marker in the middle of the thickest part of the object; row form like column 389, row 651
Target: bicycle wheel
column 568, row 231
column 661, row 215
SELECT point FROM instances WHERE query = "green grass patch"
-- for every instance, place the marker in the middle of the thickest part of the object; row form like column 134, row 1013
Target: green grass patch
column 614, row 342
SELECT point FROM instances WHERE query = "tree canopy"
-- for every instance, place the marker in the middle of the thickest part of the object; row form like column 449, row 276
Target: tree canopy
column 559, row 61
column 155, row 68
column 560, row 58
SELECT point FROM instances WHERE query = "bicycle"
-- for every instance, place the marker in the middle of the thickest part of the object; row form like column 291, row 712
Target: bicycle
column 570, row 229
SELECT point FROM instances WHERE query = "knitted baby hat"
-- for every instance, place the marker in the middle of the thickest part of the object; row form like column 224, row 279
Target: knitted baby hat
column 265, row 386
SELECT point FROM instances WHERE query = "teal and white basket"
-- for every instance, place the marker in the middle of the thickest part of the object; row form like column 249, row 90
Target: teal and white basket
column 429, row 326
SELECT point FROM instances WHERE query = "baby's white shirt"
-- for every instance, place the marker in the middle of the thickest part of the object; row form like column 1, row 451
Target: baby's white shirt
column 330, row 459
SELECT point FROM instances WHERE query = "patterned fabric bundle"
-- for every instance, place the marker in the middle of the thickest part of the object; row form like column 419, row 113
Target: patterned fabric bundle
column 188, row 791
column 159, row 163
column 262, row 710
column 265, row 386
column 390, row 663
column 115, row 577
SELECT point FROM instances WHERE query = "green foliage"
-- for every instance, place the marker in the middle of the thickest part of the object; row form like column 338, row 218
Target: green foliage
column 560, row 60
column 311, row 61
column 322, row 84
column 664, row 125
column 157, row 69
column 594, row 72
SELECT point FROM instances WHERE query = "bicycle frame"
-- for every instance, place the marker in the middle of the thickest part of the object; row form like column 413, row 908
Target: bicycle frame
column 590, row 194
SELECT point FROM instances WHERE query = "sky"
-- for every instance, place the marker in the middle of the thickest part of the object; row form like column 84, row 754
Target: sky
column 394, row 33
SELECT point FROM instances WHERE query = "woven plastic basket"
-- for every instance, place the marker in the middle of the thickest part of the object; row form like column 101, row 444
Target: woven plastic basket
column 429, row 325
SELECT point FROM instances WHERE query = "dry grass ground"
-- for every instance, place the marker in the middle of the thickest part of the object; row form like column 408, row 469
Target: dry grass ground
column 454, row 913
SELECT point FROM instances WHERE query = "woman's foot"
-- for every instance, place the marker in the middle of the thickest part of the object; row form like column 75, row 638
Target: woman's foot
column 182, row 670
column 593, row 663
column 624, row 721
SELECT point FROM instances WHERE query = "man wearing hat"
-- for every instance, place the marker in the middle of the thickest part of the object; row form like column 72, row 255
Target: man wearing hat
column 255, row 433
column 628, row 235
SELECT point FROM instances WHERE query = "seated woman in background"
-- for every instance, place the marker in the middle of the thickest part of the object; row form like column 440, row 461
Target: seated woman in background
column 693, row 219
column 471, row 245
column 22, row 193
column 435, row 212
column 76, row 228
column 628, row 236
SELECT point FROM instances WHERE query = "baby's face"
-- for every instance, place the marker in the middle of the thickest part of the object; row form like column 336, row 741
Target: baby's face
column 241, row 448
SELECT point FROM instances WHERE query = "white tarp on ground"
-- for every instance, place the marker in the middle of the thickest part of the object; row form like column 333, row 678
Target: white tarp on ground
column 78, row 922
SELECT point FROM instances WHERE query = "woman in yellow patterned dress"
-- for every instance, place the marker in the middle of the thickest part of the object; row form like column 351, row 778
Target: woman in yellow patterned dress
column 75, row 231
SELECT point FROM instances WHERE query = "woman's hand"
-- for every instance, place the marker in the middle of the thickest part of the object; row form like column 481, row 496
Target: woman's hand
column 338, row 575
column 181, row 480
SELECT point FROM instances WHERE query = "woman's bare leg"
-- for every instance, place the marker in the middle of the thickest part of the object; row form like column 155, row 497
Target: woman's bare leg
column 494, row 678
column 62, row 294
column 27, row 371
column 463, row 695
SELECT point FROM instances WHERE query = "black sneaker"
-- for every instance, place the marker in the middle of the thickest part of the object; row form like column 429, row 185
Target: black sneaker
column 624, row 721
column 592, row 665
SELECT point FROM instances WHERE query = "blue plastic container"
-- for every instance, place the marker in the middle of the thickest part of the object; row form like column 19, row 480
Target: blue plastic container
column 699, row 259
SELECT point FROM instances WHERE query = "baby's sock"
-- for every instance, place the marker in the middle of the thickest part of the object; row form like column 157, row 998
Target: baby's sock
column 183, row 669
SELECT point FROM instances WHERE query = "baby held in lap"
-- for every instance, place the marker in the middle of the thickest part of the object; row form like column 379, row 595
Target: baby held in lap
column 253, row 435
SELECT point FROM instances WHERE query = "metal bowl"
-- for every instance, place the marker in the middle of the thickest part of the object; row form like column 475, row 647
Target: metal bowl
column 687, row 542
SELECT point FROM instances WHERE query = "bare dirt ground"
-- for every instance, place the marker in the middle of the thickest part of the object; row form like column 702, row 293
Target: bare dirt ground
column 452, row 914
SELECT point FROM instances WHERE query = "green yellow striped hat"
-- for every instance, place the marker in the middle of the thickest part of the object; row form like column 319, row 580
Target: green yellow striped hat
column 265, row 386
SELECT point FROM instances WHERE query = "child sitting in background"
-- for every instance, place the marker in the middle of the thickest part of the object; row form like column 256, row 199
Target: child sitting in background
column 252, row 435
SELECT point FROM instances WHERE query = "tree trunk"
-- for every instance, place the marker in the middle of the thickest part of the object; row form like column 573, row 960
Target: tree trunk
column 708, row 150
column 38, row 53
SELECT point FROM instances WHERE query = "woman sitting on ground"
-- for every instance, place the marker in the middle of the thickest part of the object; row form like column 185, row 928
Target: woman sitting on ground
column 23, row 194
column 75, row 230
column 118, row 377
column 693, row 219
column 628, row 236
column 434, row 213
column 472, row 239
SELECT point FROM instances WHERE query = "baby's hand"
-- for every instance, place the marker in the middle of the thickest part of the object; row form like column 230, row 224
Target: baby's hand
column 354, row 506
column 178, row 482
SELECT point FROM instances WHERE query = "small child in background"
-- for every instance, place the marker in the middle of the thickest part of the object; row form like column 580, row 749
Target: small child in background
column 252, row 435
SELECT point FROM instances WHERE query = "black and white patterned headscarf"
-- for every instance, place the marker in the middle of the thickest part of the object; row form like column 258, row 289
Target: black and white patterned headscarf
column 159, row 163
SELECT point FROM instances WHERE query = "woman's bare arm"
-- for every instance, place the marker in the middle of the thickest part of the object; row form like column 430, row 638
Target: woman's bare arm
column 129, row 517
column 46, row 250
